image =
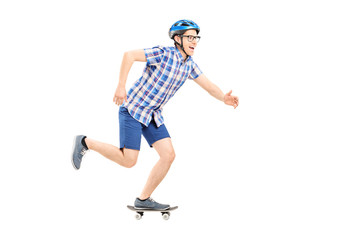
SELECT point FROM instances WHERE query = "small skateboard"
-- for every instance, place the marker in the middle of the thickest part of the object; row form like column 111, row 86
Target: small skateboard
column 140, row 212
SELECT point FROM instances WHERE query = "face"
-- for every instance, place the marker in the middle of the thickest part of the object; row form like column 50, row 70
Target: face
column 188, row 46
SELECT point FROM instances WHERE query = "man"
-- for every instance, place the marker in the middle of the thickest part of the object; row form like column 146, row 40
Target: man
column 166, row 70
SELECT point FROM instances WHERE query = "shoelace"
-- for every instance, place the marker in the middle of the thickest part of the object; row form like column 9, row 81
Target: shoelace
column 83, row 151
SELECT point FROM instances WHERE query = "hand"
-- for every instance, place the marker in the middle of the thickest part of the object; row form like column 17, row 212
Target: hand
column 120, row 96
column 231, row 100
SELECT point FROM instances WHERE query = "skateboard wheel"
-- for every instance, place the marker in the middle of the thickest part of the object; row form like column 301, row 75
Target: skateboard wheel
column 166, row 216
column 138, row 216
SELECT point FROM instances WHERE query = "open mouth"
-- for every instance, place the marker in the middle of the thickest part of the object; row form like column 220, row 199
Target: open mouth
column 192, row 48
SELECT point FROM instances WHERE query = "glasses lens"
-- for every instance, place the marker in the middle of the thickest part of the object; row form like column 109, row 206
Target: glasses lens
column 191, row 38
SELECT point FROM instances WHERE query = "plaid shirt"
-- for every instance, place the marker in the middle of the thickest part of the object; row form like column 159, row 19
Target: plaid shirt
column 165, row 72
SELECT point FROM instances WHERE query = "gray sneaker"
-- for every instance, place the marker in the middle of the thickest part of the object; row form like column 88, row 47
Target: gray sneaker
column 79, row 151
column 150, row 204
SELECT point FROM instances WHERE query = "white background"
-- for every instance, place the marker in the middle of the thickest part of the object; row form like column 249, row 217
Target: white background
column 284, row 165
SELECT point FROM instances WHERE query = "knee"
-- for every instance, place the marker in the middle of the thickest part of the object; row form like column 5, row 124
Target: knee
column 169, row 157
column 130, row 162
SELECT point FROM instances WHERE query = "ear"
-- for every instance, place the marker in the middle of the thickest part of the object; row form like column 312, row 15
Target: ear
column 177, row 39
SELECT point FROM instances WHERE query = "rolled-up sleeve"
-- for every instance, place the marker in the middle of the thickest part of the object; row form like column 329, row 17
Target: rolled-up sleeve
column 154, row 55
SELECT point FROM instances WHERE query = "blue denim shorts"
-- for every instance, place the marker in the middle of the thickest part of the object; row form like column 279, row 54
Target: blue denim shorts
column 131, row 131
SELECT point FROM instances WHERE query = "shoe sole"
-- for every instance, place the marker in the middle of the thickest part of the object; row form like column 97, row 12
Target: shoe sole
column 72, row 154
column 152, row 209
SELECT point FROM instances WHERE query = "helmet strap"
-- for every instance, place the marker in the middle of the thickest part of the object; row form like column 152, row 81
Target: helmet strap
column 182, row 47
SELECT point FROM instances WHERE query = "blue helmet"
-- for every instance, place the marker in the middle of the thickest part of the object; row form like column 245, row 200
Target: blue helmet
column 182, row 26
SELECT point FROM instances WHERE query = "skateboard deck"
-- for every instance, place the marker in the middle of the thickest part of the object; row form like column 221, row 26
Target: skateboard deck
column 140, row 212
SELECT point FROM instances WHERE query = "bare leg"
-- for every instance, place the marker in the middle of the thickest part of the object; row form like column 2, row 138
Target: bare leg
column 126, row 157
column 166, row 152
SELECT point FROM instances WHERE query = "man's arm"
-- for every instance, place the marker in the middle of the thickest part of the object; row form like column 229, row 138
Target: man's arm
column 128, row 59
column 216, row 92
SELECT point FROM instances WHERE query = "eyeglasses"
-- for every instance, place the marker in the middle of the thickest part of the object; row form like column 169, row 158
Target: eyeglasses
column 191, row 38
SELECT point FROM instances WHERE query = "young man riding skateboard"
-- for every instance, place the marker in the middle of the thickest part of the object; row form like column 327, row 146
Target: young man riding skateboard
column 140, row 113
